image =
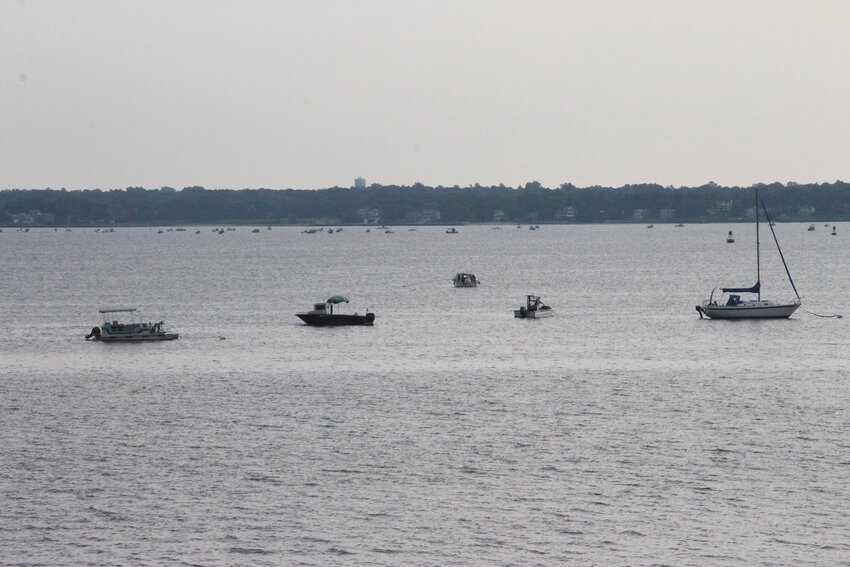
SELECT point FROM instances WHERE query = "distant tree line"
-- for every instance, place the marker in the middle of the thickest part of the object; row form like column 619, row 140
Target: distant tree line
column 399, row 204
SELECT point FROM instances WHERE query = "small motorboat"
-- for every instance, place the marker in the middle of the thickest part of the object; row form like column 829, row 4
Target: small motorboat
column 134, row 330
column 534, row 308
column 323, row 315
column 729, row 238
column 451, row 230
column 465, row 280
column 811, row 228
column 255, row 231
column 680, row 225
column 650, row 226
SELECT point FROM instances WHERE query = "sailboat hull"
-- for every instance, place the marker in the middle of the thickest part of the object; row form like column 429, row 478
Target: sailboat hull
column 751, row 310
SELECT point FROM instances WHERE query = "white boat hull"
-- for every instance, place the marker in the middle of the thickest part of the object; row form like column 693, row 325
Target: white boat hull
column 138, row 338
column 751, row 310
column 541, row 314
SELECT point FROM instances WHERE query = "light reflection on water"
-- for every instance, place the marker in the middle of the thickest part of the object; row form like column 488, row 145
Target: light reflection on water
column 622, row 430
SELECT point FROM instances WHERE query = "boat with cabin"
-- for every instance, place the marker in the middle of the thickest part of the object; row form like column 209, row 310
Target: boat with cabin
column 462, row 279
column 451, row 230
column 132, row 330
column 323, row 314
column 534, row 308
column 731, row 306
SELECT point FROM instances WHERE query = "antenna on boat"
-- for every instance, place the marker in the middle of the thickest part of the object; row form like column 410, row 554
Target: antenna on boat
column 758, row 257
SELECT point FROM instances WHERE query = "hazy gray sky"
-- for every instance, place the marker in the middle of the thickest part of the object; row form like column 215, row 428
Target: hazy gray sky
column 311, row 94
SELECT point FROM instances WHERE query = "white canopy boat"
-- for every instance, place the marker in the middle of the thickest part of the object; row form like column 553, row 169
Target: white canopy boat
column 465, row 280
column 133, row 330
column 534, row 309
column 731, row 306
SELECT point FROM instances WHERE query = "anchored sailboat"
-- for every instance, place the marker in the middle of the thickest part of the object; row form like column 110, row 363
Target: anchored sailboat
column 733, row 307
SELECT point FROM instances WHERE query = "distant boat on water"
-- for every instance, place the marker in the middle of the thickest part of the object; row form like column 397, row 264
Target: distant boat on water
column 736, row 308
column 534, row 308
column 132, row 330
column 323, row 315
column 465, row 280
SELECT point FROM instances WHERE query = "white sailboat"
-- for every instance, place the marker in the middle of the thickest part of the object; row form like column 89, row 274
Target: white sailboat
column 731, row 306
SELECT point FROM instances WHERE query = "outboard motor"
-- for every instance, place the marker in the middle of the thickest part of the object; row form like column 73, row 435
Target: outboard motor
column 523, row 312
column 95, row 333
column 370, row 318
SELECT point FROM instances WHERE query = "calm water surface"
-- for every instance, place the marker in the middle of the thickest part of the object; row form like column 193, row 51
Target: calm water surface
column 624, row 430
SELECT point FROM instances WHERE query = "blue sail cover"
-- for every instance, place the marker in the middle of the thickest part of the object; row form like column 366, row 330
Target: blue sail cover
column 755, row 289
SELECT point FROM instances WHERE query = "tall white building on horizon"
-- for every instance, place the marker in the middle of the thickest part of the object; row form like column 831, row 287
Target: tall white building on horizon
column 359, row 183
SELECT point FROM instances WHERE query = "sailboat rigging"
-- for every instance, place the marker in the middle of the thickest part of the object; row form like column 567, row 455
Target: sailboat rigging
column 736, row 308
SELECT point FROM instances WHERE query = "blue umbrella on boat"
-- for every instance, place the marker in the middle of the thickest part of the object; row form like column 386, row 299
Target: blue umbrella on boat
column 337, row 299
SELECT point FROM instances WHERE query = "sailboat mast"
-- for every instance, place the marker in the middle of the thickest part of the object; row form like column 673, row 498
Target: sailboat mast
column 758, row 257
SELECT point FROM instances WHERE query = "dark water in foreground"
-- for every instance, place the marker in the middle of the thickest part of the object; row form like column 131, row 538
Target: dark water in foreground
column 622, row 431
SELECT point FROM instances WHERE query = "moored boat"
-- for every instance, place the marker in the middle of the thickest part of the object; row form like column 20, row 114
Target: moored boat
column 133, row 330
column 534, row 308
column 323, row 315
column 731, row 306
column 462, row 279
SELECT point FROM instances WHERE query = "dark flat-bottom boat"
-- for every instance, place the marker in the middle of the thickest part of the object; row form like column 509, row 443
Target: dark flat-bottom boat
column 323, row 315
